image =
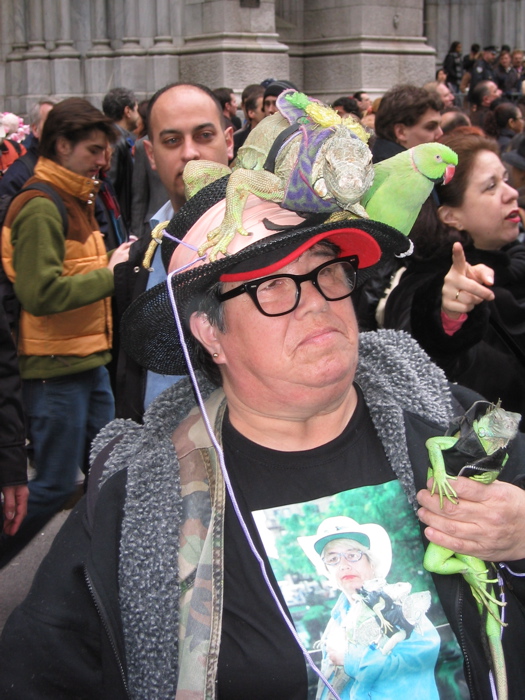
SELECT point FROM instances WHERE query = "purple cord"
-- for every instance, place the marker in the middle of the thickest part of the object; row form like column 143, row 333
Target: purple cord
column 226, row 477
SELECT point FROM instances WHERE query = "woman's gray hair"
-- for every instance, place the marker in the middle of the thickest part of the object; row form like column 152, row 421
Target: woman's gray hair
column 208, row 305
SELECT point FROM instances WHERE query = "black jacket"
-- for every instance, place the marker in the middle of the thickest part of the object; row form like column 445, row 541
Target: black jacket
column 13, row 459
column 66, row 641
column 487, row 354
column 453, row 67
column 481, row 70
column 121, row 174
column 131, row 279
column 384, row 148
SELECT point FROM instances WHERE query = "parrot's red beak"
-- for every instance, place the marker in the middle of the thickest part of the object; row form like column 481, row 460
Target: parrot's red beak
column 449, row 174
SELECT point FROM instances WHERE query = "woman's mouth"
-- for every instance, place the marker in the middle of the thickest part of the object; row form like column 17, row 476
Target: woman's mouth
column 514, row 216
column 320, row 335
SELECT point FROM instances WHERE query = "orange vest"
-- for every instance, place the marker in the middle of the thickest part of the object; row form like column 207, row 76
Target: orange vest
column 87, row 329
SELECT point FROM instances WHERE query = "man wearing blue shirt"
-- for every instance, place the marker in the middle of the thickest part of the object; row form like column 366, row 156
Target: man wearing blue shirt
column 185, row 122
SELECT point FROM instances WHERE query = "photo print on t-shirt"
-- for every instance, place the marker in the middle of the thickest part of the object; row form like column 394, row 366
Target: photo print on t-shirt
column 350, row 570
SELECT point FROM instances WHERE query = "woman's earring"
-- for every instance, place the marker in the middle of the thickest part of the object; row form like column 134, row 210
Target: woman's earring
column 215, row 354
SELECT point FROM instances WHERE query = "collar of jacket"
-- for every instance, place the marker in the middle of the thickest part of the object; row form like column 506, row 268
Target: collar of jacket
column 83, row 188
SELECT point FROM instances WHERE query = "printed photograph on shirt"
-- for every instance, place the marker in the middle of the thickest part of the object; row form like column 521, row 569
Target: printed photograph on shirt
column 350, row 569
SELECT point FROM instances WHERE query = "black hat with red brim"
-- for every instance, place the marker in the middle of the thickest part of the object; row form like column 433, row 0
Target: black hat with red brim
column 148, row 330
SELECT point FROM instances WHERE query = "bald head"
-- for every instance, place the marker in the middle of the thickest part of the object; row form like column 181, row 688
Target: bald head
column 185, row 122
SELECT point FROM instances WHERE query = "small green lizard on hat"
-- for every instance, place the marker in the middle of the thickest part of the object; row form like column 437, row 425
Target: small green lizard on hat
column 306, row 157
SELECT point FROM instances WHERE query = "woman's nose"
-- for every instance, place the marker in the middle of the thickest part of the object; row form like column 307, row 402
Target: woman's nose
column 311, row 298
column 510, row 192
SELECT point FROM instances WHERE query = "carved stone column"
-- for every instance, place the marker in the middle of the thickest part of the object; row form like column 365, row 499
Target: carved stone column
column 163, row 41
column 101, row 46
column 230, row 45
column 35, row 30
column 36, row 58
column 130, row 41
column 163, row 60
column 99, row 61
column 130, row 63
column 18, row 23
column 64, row 43
column 15, row 78
column 65, row 59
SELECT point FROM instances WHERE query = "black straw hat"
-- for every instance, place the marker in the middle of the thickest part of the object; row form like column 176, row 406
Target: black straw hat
column 148, row 330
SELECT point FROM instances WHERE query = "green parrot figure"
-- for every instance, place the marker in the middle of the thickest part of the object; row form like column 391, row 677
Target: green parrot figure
column 404, row 182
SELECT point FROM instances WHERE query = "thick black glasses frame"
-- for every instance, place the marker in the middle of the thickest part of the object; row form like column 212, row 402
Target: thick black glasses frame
column 250, row 288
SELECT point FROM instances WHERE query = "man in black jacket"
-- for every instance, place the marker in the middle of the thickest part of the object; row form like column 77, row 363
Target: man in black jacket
column 120, row 105
column 185, row 122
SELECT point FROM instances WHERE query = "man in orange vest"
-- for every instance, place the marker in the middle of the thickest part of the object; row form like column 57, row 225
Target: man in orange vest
column 63, row 280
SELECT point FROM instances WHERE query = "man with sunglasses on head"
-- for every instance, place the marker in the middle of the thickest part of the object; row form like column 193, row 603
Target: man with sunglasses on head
column 160, row 583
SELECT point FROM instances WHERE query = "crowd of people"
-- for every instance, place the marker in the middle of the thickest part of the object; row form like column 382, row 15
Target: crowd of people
column 294, row 380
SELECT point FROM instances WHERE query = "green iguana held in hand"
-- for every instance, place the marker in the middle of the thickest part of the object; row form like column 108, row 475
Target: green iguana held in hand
column 475, row 446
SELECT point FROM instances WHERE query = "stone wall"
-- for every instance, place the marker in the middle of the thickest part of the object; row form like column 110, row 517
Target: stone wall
column 474, row 21
column 74, row 47
column 327, row 47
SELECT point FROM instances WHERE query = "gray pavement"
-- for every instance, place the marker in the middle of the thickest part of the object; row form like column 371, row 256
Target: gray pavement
column 17, row 576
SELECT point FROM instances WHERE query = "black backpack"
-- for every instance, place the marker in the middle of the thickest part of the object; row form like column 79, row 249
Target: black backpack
column 8, row 297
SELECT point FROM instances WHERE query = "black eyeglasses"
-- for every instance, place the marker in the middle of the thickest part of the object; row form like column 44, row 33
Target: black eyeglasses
column 278, row 295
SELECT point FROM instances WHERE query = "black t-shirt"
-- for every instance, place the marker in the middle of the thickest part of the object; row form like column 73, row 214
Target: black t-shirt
column 258, row 656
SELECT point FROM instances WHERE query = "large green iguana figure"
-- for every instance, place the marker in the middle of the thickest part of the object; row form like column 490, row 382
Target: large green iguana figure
column 306, row 157
column 475, row 446
column 312, row 161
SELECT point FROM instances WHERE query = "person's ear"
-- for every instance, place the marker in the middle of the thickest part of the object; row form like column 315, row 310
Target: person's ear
column 400, row 132
column 148, row 147
column 228, row 136
column 63, row 146
column 451, row 216
column 205, row 333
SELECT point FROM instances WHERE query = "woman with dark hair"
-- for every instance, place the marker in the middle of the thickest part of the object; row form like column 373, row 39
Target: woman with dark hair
column 503, row 123
column 453, row 65
column 469, row 316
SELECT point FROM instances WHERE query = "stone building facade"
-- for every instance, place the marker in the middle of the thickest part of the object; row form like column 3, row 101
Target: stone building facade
column 327, row 47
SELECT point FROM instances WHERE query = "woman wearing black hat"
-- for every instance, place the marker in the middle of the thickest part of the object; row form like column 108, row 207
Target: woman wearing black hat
column 463, row 294
column 160, row 585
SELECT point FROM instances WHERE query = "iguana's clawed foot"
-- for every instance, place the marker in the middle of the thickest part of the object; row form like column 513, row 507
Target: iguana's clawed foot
column 385, row 624
column 219, row 239
column 444, row 488
column 478, row 581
